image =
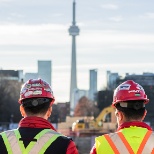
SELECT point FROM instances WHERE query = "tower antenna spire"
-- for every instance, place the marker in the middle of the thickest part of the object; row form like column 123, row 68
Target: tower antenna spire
column 74, row 22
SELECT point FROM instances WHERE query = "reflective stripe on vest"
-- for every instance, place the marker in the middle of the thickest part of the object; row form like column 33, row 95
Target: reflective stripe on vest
column 116, row 143
column 16, row 146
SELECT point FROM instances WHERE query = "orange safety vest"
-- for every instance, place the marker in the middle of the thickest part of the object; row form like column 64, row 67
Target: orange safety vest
column 132, row 140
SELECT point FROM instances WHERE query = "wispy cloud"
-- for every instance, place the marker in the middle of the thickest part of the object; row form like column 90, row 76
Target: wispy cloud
column 115, row 37
column 109, row 6
column 16, row 15
column 43, row 34
column 57, row 14
column 149, row 15
column 55, row 34
column 5, row 1
column 116, row 18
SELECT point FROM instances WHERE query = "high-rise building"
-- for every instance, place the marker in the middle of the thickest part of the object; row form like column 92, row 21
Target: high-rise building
column 73, row 31
column 16, row 75
column 111, row 80
column 93, row 84
column 44, row 70
column 29, row 76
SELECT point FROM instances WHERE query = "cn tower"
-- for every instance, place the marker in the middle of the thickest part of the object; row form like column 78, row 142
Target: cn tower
column 73, row 31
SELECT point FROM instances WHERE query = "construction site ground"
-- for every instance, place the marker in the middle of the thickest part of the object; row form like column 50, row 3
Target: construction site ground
column 83, row 140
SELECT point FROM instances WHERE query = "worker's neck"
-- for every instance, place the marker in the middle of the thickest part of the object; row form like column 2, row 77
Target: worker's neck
column 38, row 115
column 132, row 120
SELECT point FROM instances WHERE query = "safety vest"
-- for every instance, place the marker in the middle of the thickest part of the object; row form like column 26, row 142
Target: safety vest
column 38, row 146
column 132, row 140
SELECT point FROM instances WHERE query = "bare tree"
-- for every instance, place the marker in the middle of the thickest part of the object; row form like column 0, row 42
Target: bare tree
column 85, row 107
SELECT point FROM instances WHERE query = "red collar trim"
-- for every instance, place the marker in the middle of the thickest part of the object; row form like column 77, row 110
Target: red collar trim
column 134, row 123
column 35, row 122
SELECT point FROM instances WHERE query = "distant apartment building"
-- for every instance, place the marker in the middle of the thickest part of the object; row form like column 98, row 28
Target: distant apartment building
column 111, row 80
column 44, row 70
column 145, row 79
column 92, row 84
column 16, row 75
column 30, row 76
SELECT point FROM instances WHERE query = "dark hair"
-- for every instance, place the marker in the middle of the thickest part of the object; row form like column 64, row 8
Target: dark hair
column 35, row 106
column 131, row 113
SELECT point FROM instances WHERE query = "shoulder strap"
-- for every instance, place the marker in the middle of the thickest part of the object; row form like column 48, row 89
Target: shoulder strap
column 43, row 141
column 10, row 141
column 144, row 141
column 112, row 145
column 48, row 143
column 6, row 142
column 149, row 144
column 127, row 145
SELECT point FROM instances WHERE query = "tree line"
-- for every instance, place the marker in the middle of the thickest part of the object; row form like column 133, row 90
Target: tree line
column 9, row 95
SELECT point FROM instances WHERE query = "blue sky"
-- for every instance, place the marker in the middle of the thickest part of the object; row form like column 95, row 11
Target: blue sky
column 114, row 35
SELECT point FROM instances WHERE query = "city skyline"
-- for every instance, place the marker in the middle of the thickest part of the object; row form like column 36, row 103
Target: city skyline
column 115, row 36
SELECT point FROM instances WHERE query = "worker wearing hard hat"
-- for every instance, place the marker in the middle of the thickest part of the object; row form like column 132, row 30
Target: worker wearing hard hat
column 133, row 136
column 35, row 135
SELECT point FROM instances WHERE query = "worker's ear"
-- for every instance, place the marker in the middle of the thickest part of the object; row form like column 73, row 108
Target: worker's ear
column 49, row 111
column 22, row 111
column 119, row 115
column 145, row 112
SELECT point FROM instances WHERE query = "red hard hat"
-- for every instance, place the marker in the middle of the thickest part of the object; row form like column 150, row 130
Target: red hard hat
column 36, row 88
column 129, row 90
